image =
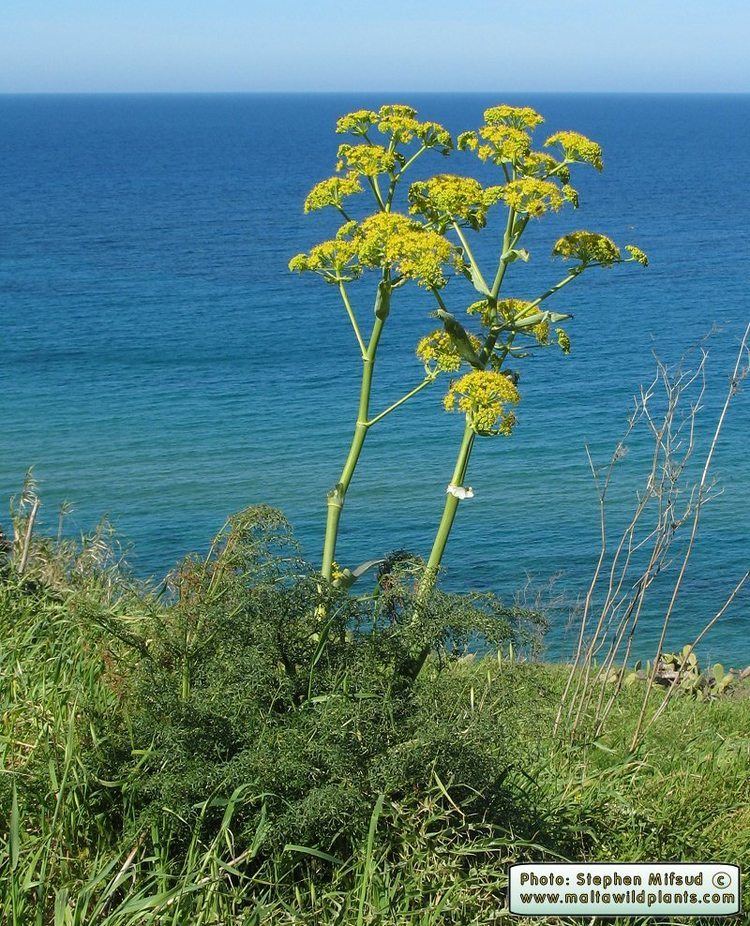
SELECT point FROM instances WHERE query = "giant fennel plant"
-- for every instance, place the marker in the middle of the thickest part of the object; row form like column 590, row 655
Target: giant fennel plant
column 429, row 246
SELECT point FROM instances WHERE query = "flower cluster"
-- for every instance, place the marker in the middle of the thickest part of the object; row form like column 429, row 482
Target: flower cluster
column 396, row 111
column 438, row 351
column 399, row 123
column 514, row 309
column 577, row 147
column 588, row 248
column 416, row 253
column 512, row 312
column 637, row 255
column 365, row 160
column 447, row 198
column 541, row 165
column 487, row 310
column 540, row 332
column 497, row 312
column 433, row 135
column 483, row 396
column 518, row 117
column 384, row 240
column 501, row 144
column 563, row 340
column 335, row 261
column 357, row 123
column 332, row 192
column 570, row 194
column 505, row 138
column 533, row 197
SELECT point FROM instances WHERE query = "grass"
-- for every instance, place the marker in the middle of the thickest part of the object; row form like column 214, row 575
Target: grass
column 126, row 799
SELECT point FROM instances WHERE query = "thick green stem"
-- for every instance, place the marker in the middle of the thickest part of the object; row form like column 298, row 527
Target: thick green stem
column 337, row 495
column 510, row 239
column 449, row 511
column 503, row 264
column 462, row 460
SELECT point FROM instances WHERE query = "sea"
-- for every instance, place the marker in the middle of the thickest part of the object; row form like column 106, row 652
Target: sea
column 160, row 366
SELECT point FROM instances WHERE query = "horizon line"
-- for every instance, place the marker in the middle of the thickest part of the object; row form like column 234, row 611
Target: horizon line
column 349, row 92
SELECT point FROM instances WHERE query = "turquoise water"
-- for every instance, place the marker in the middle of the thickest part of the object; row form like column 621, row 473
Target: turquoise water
column 160, row 365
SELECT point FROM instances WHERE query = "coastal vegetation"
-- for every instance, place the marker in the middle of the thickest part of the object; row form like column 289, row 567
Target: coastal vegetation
column 258, row 740
column 204, row 752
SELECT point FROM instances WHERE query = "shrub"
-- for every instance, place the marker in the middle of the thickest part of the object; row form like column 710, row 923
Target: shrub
column 258, row 676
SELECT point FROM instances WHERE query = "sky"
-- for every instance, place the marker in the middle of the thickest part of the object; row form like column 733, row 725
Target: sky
column 57, row 46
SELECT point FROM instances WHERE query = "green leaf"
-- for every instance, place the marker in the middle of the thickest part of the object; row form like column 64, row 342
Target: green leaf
column 14, row 834
column 460, row 338
column 62, row 917
column 477, row 282
column 529, row 321
column 345, row 579
column 349, row 576
column 555, row 317
column 365, row 567
column 317, row 853
column 514, row 254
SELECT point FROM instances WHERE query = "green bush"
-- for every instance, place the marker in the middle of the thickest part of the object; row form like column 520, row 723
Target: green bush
column 246, row 746
column 259, row 677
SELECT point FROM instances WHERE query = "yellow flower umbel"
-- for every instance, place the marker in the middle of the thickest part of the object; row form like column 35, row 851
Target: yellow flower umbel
column 577, row 148
column 484, row 396
column 540, row 333
column 511, row 313
column 563, row 340
column 365, row 160
column 386, row 240
column 433, row 135
column 637, row 255
column 357, row 123
column 392, row 240
column 518, row 117
column 541, row 165
column 399, row 123
column 533, row 197
column 332, row 192
column 501, row 144
column 446, row 198
column 335, row 261
column 505, row 138
column 439, row 352
column 588, row 248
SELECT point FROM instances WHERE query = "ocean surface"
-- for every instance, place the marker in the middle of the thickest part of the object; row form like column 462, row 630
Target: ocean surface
column 160, row 365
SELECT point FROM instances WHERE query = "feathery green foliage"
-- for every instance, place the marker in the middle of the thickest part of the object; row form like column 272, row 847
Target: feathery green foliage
column 211, row 752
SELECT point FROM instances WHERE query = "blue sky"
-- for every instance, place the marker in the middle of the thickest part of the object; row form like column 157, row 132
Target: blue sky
column 537, row 45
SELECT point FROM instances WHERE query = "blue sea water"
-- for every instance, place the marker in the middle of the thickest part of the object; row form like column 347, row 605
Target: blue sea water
column 159, row 364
